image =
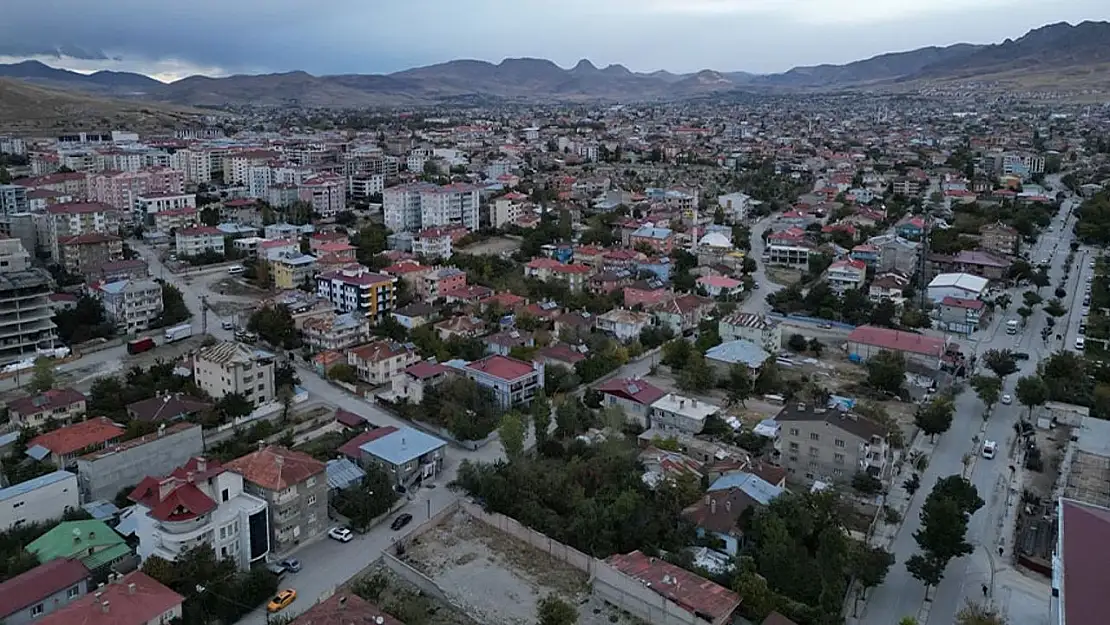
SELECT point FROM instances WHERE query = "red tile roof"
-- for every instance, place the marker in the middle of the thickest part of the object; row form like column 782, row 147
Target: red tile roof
column 956, row 302
column 563, row 353
column 49, row 400
column 27, row 589
column 344, row 609
column 73, row 208
column 691, row 592
column 349, row 419
column 379, row 351
column 276, row 468
column 633, row 390
column 172, row 499
column 63, row 441
column 136, row 599
column 198, row 231
column 501, row 367
column 1085, row 541
column 424, row 369
column 351, row 447
column 897, row 341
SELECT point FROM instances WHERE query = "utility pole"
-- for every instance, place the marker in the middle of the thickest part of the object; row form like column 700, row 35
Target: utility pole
column 203, row 314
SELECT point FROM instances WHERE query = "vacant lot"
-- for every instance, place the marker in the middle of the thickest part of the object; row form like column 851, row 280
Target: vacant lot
column 783, row 276
column 493, row 245
column 500, row 580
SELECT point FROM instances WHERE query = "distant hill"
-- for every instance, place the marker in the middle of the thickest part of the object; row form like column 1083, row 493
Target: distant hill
column 1045, row 56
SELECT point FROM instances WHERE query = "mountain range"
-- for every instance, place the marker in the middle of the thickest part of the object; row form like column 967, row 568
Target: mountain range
column 1056, row 55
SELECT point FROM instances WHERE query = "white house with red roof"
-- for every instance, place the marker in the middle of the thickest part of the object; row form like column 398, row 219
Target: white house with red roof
column 846, row 274
column 716, row 285
column 200, row 502
column 411, row 383
column 960, row 315
column 134, row 599
column 512, row 381
column 574, row 275
column 631, row 395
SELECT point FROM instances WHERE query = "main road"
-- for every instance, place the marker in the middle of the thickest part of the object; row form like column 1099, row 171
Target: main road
column 901, row 595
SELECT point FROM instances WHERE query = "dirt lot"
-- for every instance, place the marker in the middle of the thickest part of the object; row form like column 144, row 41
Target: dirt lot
column 783, row 276
column 499, row 580
column 494, row 245
column 405, row 601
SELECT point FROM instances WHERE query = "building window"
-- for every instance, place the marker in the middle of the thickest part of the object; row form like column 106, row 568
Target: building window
column 793, row 431
column 814, row 452
column 310, row 482
column 311, row 500
column 814, row 436
column 838, row 473
column 36, row 610
column 793, row 446
column 73, row 592
column 839, row 442
column 809, row 476
column 225, row 494
column 838, row 458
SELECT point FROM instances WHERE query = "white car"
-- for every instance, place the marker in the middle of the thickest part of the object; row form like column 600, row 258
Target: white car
column 341, row 534
column 1079, row 342
column 989, row 448
column 1007, row 400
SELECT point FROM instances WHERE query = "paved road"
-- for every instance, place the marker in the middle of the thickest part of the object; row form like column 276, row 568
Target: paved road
column 756, row 302
column 901, row 595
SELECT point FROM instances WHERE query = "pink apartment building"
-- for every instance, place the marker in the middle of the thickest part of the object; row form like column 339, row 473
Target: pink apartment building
column 327, row 193
column 121, row 190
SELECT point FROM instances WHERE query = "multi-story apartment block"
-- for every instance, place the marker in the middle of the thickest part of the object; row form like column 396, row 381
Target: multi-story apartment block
column 818, row 443
column 843, row 275
column 13, row 199
column 290, row 271
column 38, row 500
column 295, row 488
column 150, row 205
column 401, row 206
column 758, row 329
column 574, row 275
column 86, row 253
column 230, row 367
column 237, row 167
column 333, row 331
column 369, row 162
column 72, row 183
column 361, row 187
column 131, row 304
column 378, row 362
column 169, row 222
column 433, row 243
column 26, row 323
column 512, row 381
column 61, row 405
column 13, row 256
column 195, row 163
column 356, row 288
column 198, row 240
column 76, row 218
column 507, row 209
column 200, row 503
column 327, row 193
column 104, row 473
column 121, row 190
column 433, row 284
column 411, row 207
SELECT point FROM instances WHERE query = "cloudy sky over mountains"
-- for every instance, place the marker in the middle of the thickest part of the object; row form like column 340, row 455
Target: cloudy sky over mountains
column 173, row 39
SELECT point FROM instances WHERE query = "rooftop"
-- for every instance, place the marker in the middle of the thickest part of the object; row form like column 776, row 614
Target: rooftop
column 74, row 539
column 897, row 340
column 39, row 583
column 276, row 468
column 73, row 438
column 1084, row 552
column 850, row 422
column 22, row 488
column 635, row 390
column 352, row 448
column 136, row 599
column 502, row 367
column 402, row 446
column 685, row 406
column 47, row 401
column 691, row 592
column 345, row 609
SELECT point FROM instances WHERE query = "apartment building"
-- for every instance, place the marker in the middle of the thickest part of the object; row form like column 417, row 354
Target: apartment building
column 574, row 275
column 433, row 243
column 231, row 367
column 13, row 256
column 13, row 199
column 412, row 207
column 401, row 206
column 377, row 362
column 291, row 271
column 104, row 473
column 153, row 203
column 507, row 209
column 200, row 503
column 632, row 396
column 362, row 187
column 333, row 331
column 512, row 381
column 198, row 240
column 844, row 275
column 72, row 183
column 38, row 500
column 758, row 329
column 357, row 289
column 327, row 193
column 440, row 280
column 237, row 166
column 60, row 405
column 170, row 221
column 85, row 254
column 26, row 316
column 131, row 304
column 76, row 218
column 369, row 162
column 818, row 443
column 295, row 488
column 194, row 163
column 675, row 413
column 406, row 454
column 122, row 190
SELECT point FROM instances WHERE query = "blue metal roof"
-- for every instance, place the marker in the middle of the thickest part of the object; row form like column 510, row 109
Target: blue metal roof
column 38, row 452
column 653, row 233
column 752, row 485
column 404, row 445
column 25, row 487
column 101, row 509
column 342, row 473
column 739, row 351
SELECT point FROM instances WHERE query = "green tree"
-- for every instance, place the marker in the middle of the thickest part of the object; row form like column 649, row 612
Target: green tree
column 512, row 432
column 43, row 377
column 935, row 417
column 274, row 324
column 988, row 388
column 233, row 406
column 886, row 371
column 552, row 610
column 540, row 411
column 739, row 385
column 174, row 310
column 1031, row 392
column 369, row 499
column 1000, row 361
column 866, row 484
column 797, row 343
column 979, row 614
column 870, row 564
column 926, row 569
column 84, row 322
column 1025, row 313
column 1055, row 309
column 343, row 372
column 676, row 353
column 698, row 374
column 1031, row 298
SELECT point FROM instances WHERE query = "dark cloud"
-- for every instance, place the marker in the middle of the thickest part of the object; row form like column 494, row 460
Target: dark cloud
column 349, row 36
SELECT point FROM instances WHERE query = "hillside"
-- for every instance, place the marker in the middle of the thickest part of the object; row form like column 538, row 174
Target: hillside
column 25, row 107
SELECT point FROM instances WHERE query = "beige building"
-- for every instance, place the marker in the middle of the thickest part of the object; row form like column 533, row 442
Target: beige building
column 758, row 329
column 817, row 443
column 13, row 256
column 231, row 367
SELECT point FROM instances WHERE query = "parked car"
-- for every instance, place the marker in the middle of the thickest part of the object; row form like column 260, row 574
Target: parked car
column 282, row 600
column 292, row 565
column 228, row 325
column 1007, row 400
column 989, row 448
column 1021, row 356
column 276, row 568
column 341, row 534
column 401, row 521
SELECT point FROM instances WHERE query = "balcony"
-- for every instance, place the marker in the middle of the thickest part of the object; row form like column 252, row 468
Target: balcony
column 285, row 497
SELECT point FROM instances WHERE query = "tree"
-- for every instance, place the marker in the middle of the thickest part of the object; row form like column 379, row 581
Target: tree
column 174, row 310
column 1025, row 313
column 870, row 564
column 935, row 417
column 926, row 569
column 1031, row 391
column 886, row 371
column 797, row 343
column 912, row 483
column 676, row 353
column 1000, row 361
column 739, row 385
column 274, row 324
column 866, row 484
column 43, row 378
column 883, row 314
column 552, row 610
column 343, row 372
column 698, row 374
column 233, row 406
column 512, row 432
column 85, row 321
column 367, row 500
column 1055, row 309
column 979, row 614
column 1031, row 298
column 958, row 489
column 540, row 410
column 988, row 388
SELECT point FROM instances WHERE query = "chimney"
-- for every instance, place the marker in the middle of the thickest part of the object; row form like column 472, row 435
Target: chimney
column 682, row 403
column 165, row 487
column 708, row 498
column 104, row 607
column 202, row 465
column 713, row 506
column 131, row 589
column 76, row 536
column 728, row 508
column 693, row 403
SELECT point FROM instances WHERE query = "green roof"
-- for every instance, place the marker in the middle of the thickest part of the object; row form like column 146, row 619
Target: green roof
column 74, row 539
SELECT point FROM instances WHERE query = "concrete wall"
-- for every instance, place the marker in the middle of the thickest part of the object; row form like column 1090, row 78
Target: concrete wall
column 548, row 545
column 104, row 477
column 416, row 578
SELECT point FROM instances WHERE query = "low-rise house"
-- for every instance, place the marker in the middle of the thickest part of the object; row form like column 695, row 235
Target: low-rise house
column 867, row 341
column 956, row 285
column 646, row 294
column 910, row 227
column 168, row 408
column 633, row 396
column 61, row 405
column 609, row 281
column 92, row 543
column 504, row 342
column 200, row 502
column 44, row 498
column 134, row 599
column 683, row 313
column 625, row 325
column 513, row 382
column 830, row 445
column 580, row 323
column 103, row 474
column 461, row 326
column 344, row 608
column 411, row 383
column 983, row 264
column 695, row 598
column 718, row 286
column 466, row 294
column 295, row 488
column 63, row 445
column 336, row 331
column 660, row 240
column 740, row 352
column 843, row 275
column 889, row 286
column 407, row 454
column 560, row 354
column 37, row 593
column 415, row 314
column 290, row 271
column 721, row 511
column 573, row 275
column 436, row 282
column 961, row 316
column 675, row 413
column 758, row 329
column 378, row 362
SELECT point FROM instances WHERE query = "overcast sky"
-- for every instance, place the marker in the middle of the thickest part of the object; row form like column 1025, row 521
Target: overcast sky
column 170, row 40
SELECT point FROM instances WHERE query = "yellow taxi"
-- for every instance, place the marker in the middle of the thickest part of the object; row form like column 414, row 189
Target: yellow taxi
column 282, row 600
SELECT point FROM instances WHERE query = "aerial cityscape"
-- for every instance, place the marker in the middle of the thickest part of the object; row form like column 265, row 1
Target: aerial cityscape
column 550, row 329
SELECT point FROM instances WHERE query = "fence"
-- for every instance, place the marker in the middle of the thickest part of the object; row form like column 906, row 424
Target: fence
column 426, row 584
column 546, row 544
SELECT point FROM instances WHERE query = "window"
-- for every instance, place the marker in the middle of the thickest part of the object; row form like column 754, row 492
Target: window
column 793, row 458
column 839, row 442
column 311, row 499
column 223, row 533
column 73, row 592
column 793, row 431
column 310, row 482
column 19, row 504
column 809, row 476
column 838, row 458
column 838, row 473
column 225, row 494
column 812, row 464
column 793, row 446
column 814, row 436
column 36, row 610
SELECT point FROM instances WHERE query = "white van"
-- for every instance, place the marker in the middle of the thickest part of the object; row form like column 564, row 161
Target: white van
column 989, row 447
column 1079, row 342
column 236, row 269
